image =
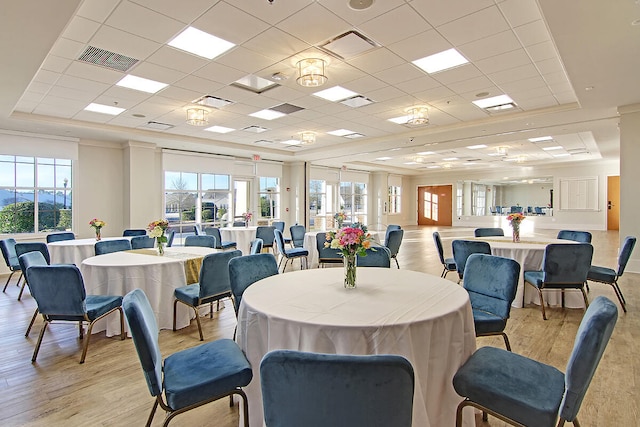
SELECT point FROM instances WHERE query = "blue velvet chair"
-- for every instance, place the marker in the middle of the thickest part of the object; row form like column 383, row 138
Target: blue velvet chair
column 256, row 246
column 23, row 248
column 576, row 236
column 280, row 226
column 246, row 270
column 378, row 256
column 204, row 241
column 297, row 235
column 170, row 235
column 188, row 378
column 461, row 251
column 485, row 232
column 142, row 242
column 491, row 282
column 326, row 255
column 239, row 223
column 60, row 294
column 564, row 266
column 393, row 242
column 389, row 229
column 266, row 233
column 220, row 244
column 27, row 260
column 318, row 390
column 448, row 264
column 108, row 246
column 523, row 391
column 8, row 247
column 59, row 237
column 609, row 275
column 213, row 286
column 290, row 254
column 134, row 232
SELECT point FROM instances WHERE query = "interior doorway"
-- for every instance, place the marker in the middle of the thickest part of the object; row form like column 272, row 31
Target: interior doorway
column 434, row 205
column 613, row 202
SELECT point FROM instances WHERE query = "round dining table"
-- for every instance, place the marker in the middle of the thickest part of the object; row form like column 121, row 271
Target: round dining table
column 243, row 236
column 422, row 317
column 75, row 251
column 310, row 245
column 529, row 252
column 118, row 273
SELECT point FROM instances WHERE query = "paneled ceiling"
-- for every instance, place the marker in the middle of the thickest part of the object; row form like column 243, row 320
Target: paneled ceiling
column 546, row 56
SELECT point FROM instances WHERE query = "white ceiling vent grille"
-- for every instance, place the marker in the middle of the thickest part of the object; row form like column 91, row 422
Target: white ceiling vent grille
column 107, row 59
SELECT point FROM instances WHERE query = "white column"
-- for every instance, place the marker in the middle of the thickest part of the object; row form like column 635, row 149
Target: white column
column 629, row 178
column 142, row 184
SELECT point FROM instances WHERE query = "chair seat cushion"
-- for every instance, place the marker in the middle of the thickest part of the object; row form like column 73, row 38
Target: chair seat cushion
column 296, row 252
column 520, row 388
column 97, row 305
column 189, row 294
column 536, row 278
column 228, row 245
column 450, row 263
column 204, row 371
column 601, row 274
column 486, row 322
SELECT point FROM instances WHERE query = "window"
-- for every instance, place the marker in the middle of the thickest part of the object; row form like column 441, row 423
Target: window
column 479, row 199
column 353, row 200
column 394, row 199
column 35, row 194
column 269, row 195
column 459, row 192
column 430, row 207
column 317, row 204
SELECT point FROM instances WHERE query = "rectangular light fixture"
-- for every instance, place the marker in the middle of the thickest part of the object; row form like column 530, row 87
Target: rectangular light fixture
column 341, row 132
column 562, row 155
column 157, row 126
column 255, row 129
column 557, row 147
column 354, row 135
column 104, row 109
column 357, row 101
column 255, row 83
column 494, row 101
column 450, row 159
column 212, row 101
column 336, row 93
column 139, row 83
column 382, row 159
column 440, row 61
column 425, row 153
column 400, row 120
column 291, row 142
column 267, row 114
column 476, row 147
column 219, row 129
column 200, row 43
column 541, row 138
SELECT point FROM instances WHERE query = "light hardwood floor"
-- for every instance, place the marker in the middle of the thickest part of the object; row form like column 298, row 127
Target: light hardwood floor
column 109, row 389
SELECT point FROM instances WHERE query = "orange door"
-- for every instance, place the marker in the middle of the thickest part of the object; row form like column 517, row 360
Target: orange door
column 434, row 205
column 613, row 203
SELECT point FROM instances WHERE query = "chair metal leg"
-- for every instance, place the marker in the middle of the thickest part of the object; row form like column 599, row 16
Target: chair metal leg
column 7, row 282
column 37, row 349
column 584, row 295
column 195, row 309
column 33, row 319
column 619, row 290
column 24, row 282
column 175, row 308
column 396, row 259
column 544, row 314
column 506, row 341
column 153, row 412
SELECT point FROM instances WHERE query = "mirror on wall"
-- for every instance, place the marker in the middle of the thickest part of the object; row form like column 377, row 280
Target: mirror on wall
column 531, row 196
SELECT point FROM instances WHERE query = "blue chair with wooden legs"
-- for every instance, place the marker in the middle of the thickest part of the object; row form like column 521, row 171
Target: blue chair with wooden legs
column 213, row 286
column 448, row 264
column 142, row 242
column 215, row 232
column 576, row 236
column 202, row 240
column 326, row 255
column 488, row 231
column 188, row 378
column 290, row 254
column 378, row 256
column 104, row 247
column 318, row 390
column 523, row 391
column 491, row 282
column 256, row 246
column 393, row 242
column 134, row 232
column 8, row 247
column 27, row 260
column 611, row 276
column 60, row 294
column 23, row 248
column 297, row 235
column 564, row 266
column 461, row 251
column 60, row 237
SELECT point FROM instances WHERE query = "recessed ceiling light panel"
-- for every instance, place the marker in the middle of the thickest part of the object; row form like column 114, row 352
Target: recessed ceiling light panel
column 139, row 83
column 336, row 93
column 104, row 109
column 441, row 61
column 267, row 114
column 219, row 129
column 494, row 101
column 200, row 43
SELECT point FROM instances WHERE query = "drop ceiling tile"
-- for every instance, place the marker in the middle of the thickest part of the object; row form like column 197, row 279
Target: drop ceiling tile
column 220, row 73
column 458, row 74
column 420, row 84
column 124, row 43
column 198, row 84
column 560, row 87
column 541, row 51
column 63, row 111
column 399, row 74
column 513, row 74
column 539, row 102
column 437, row 15
column 524, row 95
column 276, row 44
column 272, row 12
column 552, row 65
column 356, row 17
column 245, row 60
column 476, row 85
column 533, row 33
column 298, row 25
column 377, row 60
column 80, row 29
column 90, row 116
column 477, row 25
column 97, row 10
column 365, row 83
column 144, row 22
column 65, row 48
column 158, row 73
column 63, row 103
column 176, row 59
column 384, row 29
column 283, row 94
column 32, row 97
column 39, row 88
column 524, row 84
column 180, row 94
column 519, row 13
column 496, row 44
column 94, row 72
column 185, row 12
column 116, row 101
column 45, row 76
column 81, row 84
column 129, row 121
column 121, row 93
column 434, row 94
column 25, row 106
column 230, row 23
column 69, row 93
column 502, row 62
column 420, row 45
column 385, row 94
column 55, row 63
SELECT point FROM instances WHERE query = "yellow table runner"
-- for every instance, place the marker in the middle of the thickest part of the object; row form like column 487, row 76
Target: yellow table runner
column 192, row 262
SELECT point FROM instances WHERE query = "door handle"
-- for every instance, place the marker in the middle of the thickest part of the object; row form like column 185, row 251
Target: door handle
column 609, row 205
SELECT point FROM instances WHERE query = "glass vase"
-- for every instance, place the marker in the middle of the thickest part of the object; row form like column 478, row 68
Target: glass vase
column 98, row 236
column 350, row 268
column 516, row 234
column 160, row 248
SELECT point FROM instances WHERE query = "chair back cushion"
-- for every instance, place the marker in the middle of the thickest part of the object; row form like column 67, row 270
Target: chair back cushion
column 390, row 228
column 378, row 256
column 463, row 248
column 326, row 253
column 492, row 282
column 484, row 232
column 297, row 235
column 266, row 234
column 23, row 248
column 314, row 390
column 141, row 242
column 246, row 270
column 566, row 263
column 134, row 232
column 8, row 247
column 214, row 273
column 144, row 331
column 170, row 235
column 591, row 340
column 256, row 246
column 279, row 239
column 393, row 241
column 625, row 253
column 215, row 232
column 58, row 290
column 59, row 237
column 576, row 236
column 29, row 259
column 279, row 225
column 201, row 240
column 107, row 246
column 438, row 242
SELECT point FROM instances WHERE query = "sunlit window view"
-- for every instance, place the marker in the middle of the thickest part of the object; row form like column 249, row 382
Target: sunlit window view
column 431, row 206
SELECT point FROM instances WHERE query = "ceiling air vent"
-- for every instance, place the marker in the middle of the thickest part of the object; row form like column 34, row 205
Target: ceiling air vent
column 107, row 59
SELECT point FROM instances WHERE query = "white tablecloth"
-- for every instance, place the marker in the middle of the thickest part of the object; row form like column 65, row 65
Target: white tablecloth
column 310, row 245
column 422, row 317
column 529, row 253
column 118, row 273
column 243, row 236
column 75, row 251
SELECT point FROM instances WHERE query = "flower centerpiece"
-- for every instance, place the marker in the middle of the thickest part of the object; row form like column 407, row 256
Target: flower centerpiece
column 247, row 217
column 157, row 229
column 515, row 219
column 97, row 225
column 340, row 218
column 350, row 241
